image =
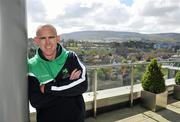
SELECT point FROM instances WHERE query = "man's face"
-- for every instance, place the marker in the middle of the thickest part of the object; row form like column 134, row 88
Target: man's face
column 47, row 41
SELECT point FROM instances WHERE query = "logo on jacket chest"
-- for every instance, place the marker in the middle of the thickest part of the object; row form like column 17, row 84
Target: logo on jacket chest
column 65, row 74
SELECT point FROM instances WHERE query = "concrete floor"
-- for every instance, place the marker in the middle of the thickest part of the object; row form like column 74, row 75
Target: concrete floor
column 140, row 114
column 137, row 114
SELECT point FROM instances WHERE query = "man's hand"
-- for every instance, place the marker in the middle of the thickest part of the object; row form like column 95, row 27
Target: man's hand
column 42, row 88
column 75, row 74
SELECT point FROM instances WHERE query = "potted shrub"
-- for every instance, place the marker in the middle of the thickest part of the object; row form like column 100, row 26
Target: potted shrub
column 177, row 86
column 154, row 94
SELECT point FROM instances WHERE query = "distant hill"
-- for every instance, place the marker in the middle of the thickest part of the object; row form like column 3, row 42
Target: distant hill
column 120, row 36
column 173, row 37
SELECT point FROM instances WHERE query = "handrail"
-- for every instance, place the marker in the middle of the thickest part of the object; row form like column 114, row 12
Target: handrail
column 132, row 65
column 125, row 64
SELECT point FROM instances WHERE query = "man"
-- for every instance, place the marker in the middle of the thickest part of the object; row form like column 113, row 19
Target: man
column 56, row 80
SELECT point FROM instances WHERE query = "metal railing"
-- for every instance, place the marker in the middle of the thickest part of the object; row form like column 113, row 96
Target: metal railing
column 165, row 65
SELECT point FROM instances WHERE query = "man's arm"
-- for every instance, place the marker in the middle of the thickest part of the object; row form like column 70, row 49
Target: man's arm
column 36, row 98
column 75, row 85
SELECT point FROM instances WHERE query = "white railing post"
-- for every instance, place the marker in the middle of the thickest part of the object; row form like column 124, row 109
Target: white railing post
column 132, row 84
column 95, row 93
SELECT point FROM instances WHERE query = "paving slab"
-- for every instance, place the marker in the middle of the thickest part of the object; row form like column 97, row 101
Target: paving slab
column 137, row 118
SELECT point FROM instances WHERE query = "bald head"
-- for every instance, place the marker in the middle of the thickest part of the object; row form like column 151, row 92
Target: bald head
column 46, row 39
column 46, row 26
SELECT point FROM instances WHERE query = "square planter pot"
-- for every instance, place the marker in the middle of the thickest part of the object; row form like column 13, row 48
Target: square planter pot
column 154, row 101
column 176, row 93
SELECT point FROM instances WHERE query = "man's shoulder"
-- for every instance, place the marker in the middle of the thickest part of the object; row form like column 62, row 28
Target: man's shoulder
column 33, row 64
column 32, row 61
column 72, row 54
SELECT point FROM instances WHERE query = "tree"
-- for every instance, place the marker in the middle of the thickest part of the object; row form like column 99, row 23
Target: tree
column 152, row 79
column 177, row 78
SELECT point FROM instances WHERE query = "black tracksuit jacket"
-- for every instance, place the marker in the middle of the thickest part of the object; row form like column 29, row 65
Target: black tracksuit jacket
column 62, row 100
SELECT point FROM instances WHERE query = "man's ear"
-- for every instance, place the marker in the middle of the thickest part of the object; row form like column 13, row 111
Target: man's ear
column 36, row 40
column 58, row 39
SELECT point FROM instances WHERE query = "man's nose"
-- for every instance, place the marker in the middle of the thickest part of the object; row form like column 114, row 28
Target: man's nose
column 47, row 40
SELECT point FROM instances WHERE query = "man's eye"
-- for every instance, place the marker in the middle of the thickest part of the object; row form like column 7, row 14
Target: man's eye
column 42, row 38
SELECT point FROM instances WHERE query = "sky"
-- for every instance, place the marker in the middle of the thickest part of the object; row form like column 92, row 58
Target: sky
column 143, row 16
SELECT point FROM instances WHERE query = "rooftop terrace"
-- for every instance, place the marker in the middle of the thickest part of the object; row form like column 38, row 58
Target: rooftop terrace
column 140, row 114
column 137, row 114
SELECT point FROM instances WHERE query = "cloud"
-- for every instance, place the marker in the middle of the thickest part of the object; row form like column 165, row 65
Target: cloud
column 159, row 8
column 155, row 16
column 75, row 15
column 146, row 16
column 112, row 16
column 76, row 10
column 36, row 10
column 97, row 15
